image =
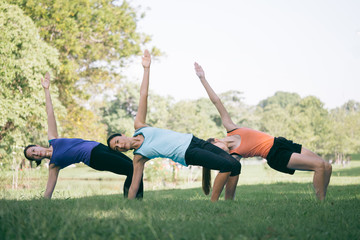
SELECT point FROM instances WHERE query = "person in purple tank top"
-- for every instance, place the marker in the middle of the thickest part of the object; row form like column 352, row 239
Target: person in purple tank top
column 63, row 152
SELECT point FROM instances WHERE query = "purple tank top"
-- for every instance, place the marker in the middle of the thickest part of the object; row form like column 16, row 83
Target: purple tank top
column 67, row 151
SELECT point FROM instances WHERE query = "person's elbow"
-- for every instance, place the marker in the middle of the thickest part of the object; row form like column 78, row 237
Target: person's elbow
column 138, row 124
column 144, row 94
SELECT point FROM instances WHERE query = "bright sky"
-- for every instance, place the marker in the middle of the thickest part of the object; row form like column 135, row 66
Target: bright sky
column 311, row 47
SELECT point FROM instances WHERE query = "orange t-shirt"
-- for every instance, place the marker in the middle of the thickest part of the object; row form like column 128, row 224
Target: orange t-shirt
column 253, row 143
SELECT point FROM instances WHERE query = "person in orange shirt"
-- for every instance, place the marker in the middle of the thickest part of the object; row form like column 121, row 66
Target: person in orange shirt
column 281, row 154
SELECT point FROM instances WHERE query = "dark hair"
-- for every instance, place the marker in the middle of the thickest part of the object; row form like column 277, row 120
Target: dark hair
column 206, row 174
column 111, row 137
column 29, row 158
column 206, row 180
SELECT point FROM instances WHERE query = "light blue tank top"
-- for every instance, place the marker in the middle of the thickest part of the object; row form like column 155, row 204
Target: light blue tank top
column 163, row 143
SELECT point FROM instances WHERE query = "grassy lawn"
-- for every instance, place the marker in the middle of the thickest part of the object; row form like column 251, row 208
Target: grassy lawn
column 269, row 205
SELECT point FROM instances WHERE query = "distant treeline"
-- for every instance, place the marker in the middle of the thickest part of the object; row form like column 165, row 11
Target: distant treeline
column 84, row 43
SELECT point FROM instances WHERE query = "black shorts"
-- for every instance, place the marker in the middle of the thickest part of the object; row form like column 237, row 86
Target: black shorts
column 280, row 153
column 205, row 154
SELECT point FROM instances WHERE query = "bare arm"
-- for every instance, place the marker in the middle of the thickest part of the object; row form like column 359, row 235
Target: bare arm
column 52, row 128
column 140, row 120
column 225, row 117
column 139, row 164
column 51, row 183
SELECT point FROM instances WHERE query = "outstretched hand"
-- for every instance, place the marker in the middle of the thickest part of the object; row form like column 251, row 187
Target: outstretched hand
column 46, row 82
column 199, row 71
column 146, row 59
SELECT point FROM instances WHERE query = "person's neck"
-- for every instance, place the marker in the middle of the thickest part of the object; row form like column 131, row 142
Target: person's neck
column 49, row 152
column 137, row 141
column 231, row 142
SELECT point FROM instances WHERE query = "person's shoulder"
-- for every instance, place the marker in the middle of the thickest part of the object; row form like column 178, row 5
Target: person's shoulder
column 51, row 141
column 234, row 130
column 53, row 166
column 146, row 127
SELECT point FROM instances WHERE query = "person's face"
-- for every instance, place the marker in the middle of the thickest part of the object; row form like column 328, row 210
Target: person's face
column 221, row 144
column 120, row 143
column 37, row 152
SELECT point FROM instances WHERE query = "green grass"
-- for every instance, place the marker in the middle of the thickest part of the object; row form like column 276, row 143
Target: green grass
column 269, row 205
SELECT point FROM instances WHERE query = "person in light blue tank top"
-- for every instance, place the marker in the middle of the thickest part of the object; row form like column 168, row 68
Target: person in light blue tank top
column 63, row 152
column 163, row 143
column 149, row 142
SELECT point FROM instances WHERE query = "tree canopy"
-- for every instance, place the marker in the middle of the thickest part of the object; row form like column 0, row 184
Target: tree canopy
column 94, row 38
column 24, row 59
column 91, row 36
column 84, row 43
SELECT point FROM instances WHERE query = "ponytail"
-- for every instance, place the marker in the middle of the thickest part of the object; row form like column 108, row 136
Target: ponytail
column 206, row 180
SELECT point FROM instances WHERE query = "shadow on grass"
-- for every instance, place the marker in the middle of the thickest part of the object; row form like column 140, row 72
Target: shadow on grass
column 259, row 212
column 349, row 172
column 276, row 191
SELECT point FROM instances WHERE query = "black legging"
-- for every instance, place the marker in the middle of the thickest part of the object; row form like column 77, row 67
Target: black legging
column 104, row 159
column 202, row 153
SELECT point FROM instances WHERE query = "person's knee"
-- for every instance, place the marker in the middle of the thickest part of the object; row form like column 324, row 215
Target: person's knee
column 328, row 167
column 235, row 168
column 230, row 165
column 323, row 166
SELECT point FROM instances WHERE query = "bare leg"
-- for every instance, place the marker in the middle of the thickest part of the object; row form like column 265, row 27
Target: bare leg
column 219, row 184
column 308, row 160
column 328, row 167
column 231, row 187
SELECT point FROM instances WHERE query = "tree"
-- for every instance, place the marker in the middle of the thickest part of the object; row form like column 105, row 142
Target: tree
column 310, row 125
column 274, row 113
column 159, row 110
column 305, row 121
column 282, row 99
column 87, row 34
column 118, row 114
column 345, row 122
column 240, row 113
column 24, row 59
column 190, row 117
column 274, row 120
column 94, row 39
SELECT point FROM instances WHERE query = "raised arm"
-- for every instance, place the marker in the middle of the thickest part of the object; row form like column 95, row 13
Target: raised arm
column 52, row 128
column 140, row 120
column 225, row 117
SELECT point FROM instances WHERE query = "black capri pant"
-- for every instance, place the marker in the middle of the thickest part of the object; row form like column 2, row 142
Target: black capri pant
column 205, row 154
column 103, row 158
